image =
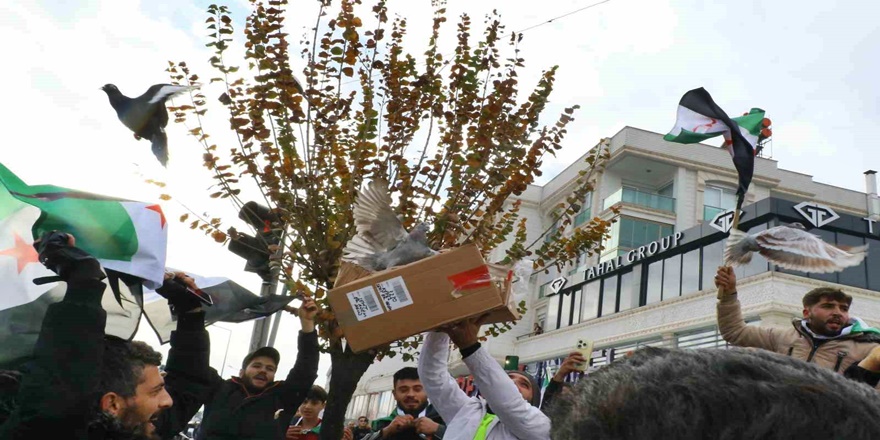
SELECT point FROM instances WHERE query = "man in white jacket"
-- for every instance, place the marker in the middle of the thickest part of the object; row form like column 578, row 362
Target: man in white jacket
column 506, row 410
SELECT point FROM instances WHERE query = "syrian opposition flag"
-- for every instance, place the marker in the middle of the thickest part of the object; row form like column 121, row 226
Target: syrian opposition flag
column 128, row 236
column 125, row 236
column 699, row 118
column 232, row 303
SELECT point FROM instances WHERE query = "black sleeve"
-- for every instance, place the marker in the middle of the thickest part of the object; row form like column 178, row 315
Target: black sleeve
column 441, row 431
column 303, row 374
column 189, row 378
column 60, row 384
column 859, row 374
column 550, row 392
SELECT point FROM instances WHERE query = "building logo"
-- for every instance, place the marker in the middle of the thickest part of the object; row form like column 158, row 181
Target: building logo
column 723, row 221
column 818, row 215
column 557, row 285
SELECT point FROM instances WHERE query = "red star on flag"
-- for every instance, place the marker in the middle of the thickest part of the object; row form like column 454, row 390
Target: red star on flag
column 158, row 209
column 23, row 252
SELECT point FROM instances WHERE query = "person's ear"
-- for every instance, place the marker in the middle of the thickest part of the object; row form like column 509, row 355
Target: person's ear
column 112, row 403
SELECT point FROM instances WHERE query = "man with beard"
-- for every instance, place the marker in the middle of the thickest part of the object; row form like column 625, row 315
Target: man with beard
column 414, row 418
column 826, row 336
column 254, row 405
column 81, row 385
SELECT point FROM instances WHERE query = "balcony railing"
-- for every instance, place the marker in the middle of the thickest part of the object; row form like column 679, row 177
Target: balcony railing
column 636, row 197
column 709, row 212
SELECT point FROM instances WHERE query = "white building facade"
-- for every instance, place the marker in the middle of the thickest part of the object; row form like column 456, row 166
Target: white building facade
column 653, row 283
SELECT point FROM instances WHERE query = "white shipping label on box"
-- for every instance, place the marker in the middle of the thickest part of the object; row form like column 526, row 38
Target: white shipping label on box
column 364, row 303
column 394, row 293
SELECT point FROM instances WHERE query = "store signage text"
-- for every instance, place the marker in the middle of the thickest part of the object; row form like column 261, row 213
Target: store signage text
column 634, row 255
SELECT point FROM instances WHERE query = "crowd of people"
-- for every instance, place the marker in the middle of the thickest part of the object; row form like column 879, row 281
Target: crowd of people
column 815, row 379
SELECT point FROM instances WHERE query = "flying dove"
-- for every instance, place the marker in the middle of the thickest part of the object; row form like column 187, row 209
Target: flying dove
column 381, row 240
column 146, row 115
column 791, row 247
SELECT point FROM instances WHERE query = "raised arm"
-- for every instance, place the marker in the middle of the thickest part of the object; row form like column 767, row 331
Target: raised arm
column 730, row 320
column 443, row 392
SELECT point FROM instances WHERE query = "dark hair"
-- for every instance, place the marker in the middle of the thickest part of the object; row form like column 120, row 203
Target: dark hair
column 714, row 393
column 814, row 296
column 316, row 394
column 123, row 365
column 406, row 373
column 364, row 418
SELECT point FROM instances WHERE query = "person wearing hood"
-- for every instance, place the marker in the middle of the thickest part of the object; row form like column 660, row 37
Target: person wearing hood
column 826, row 335
column 508, row 406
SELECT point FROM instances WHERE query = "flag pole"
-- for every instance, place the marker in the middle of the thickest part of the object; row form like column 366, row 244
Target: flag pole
column 739, row 201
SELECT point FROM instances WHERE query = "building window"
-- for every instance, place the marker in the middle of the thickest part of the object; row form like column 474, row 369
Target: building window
column 553, row 233
column 609, row 295
column 543, row 290
column 590, row 300
column 672, row 277
column 654, row 283
column 628, row 300
column 585, row 213
column 690, row 272
column 633, row 233
column 717, row 199
column 552, row 313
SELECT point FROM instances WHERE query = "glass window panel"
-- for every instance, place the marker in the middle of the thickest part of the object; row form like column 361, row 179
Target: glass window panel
column 654, row 283
column 671, row 277
column 565, row 313
column 853, row 276
column 759, row 264
column 577, row 297
column 728, row 200
column 628, row 299
column 712, row 256
column 712, row 197
column 552, row 313
column 590, row 301
column 626, row 232
column 666, row 230
column 873, row 263
column 609, row 295
column 653, row 233
column 690, row 272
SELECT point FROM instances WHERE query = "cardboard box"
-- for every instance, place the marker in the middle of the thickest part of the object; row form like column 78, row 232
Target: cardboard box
column 400, row 302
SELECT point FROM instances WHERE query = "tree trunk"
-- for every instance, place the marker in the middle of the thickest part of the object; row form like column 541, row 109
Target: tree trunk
column 346, row 370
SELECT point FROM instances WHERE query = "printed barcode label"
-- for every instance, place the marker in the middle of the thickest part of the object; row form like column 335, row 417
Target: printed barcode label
column 394, row 293
column 364, row 303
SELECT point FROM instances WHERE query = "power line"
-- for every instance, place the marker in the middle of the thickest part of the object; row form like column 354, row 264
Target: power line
column 562, row 16
column 567, row 14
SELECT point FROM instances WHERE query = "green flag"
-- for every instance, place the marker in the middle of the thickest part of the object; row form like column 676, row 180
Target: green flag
column 125, row 236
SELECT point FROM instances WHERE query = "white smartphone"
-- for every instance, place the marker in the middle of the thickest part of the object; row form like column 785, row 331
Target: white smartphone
column 585, row 348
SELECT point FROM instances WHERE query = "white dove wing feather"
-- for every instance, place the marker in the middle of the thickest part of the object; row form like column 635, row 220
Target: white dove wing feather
column 169, row 91
column 793, row 241
column 373, row 215
column 359, row 247
column 799, row 250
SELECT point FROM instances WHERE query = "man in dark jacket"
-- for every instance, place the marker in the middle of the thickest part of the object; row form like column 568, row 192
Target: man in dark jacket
column 254, row 405
column 414, row 418
column 79, row 385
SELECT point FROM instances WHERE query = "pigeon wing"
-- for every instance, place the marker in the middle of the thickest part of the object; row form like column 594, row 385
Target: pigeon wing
column 161, row 92
column 374, row 218
column 800, row 250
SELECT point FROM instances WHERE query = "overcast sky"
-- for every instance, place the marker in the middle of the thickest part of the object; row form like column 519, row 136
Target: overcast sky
column 812, row 65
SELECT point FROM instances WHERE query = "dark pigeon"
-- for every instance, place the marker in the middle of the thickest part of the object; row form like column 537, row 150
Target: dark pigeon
column 146, row 115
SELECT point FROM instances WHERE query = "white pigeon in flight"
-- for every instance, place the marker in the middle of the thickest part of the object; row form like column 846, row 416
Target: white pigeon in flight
column 381, row 241
column 791, row 247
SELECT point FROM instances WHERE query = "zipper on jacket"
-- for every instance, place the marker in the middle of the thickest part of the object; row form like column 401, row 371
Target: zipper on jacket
column 812, row 352
column 840, row 356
